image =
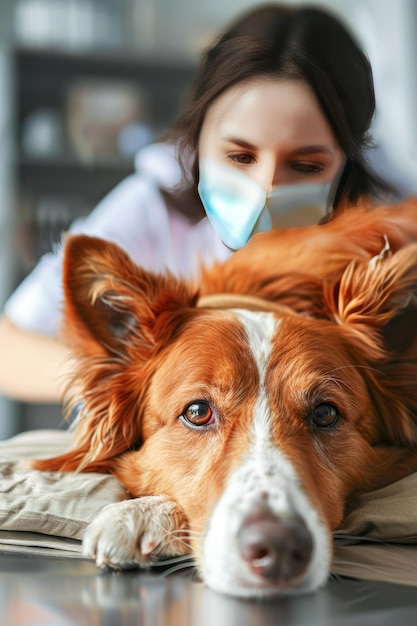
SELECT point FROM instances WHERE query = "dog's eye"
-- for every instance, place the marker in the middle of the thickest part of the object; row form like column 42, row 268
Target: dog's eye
column 198, row 413
column 325, row 416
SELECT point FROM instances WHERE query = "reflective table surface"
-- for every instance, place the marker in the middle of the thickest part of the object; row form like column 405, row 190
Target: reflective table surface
column 41, row 591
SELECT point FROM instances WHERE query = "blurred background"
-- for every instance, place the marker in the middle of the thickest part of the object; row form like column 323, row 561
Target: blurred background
column 85, row 83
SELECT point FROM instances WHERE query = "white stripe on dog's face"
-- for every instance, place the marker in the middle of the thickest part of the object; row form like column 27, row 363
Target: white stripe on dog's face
column 265, row 479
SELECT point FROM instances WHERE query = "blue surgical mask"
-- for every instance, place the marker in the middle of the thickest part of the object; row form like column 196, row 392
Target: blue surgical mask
column 238, row 207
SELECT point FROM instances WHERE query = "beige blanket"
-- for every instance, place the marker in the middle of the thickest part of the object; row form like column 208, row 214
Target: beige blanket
column 46, row 513
column 378, row 540
column 40, row 511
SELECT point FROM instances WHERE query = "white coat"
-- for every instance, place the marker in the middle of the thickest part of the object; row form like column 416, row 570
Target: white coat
column 134, row 215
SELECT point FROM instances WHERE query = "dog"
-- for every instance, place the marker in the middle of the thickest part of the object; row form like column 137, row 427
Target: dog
column 245, row 412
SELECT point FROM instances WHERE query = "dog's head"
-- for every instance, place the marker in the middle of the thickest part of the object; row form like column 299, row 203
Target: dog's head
column 260, row 424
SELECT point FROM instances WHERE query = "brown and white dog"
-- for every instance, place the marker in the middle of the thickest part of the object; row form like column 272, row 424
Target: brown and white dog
column 245, row 414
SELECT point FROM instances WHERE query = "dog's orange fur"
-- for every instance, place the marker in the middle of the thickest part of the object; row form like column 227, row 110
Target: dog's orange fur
column 146, row 349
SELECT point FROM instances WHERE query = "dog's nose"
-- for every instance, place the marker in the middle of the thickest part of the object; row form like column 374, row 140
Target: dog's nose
column 276, row 549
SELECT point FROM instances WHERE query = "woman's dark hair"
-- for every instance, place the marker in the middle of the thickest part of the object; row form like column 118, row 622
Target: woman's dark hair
column 305, row 44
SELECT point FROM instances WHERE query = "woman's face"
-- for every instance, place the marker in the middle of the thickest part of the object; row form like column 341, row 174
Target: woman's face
column 272, row 130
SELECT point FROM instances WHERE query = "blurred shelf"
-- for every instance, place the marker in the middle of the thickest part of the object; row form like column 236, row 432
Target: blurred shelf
column 44, row 77
column 98, row 56
column 72, row 162
column 65, row 176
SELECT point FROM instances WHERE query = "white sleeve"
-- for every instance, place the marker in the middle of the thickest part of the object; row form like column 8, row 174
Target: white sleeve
column 132, row 214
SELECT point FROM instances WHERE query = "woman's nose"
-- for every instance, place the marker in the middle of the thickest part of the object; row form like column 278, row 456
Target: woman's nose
column 267, row 177
column 270, row 175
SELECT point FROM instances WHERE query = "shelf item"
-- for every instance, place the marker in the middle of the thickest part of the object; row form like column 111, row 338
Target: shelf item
column 43, row 133
column 97, row 111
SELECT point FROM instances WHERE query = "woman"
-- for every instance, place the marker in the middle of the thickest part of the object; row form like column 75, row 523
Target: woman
column 283, row 97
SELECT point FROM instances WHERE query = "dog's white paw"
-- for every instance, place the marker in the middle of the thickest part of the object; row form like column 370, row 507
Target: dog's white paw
column 137, row 532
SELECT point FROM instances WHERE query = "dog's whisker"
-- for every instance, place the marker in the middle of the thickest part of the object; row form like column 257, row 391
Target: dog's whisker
column 170, row 534
column 170, row 538
column 179, row 535
column 334, row 577
column 362, row 367
column 177, row 568
column 362, row 595
column 184, row 541
column 176, row 559
column 187, row 532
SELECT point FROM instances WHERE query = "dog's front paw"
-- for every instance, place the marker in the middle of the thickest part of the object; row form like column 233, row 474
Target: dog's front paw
column 137, row 532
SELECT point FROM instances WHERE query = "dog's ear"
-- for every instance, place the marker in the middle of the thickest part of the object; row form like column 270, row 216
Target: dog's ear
column 378, row 302
column 379, row 298
column 110, row 303
column 115, row 314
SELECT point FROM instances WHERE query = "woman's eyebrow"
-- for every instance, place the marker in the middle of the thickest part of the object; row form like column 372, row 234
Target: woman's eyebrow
column 313, row 149
column 240, row 142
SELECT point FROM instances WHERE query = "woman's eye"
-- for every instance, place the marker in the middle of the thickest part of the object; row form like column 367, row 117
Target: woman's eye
column 325, row 416
column 307, row 168
column 198, row 413
column 242, row 159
